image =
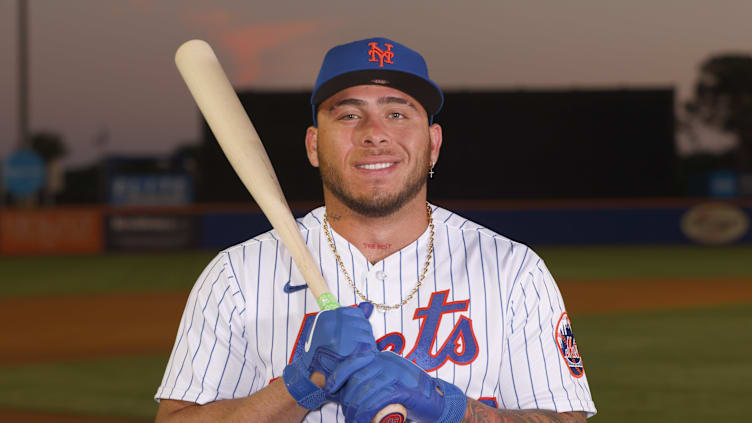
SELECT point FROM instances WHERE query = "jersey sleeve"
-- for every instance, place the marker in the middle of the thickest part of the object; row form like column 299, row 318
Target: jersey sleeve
column 208, row 358
column 541, row 367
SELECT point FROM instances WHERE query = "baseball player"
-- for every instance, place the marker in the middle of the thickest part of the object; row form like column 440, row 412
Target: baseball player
column 446, row 317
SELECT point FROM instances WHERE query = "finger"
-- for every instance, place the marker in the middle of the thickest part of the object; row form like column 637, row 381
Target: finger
column 344, row 370
column 367, row 308
column 364, row 384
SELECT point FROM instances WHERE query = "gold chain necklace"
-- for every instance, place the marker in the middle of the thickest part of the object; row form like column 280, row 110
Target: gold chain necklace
column 362, row 296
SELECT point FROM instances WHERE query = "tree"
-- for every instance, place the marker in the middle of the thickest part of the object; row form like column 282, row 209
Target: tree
column 49, row 145
column 723, row 99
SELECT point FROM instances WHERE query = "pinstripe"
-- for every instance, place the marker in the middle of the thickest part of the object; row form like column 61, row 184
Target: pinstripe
column 214, row 345
column 227, row 359
column 527, row 349
column 253, row 382
column 321, row 264
column 287, row 315
column 485, row 310
column 273, row 290
column 169, row 368
column 435, row 289
column 368, row 269
column 214, row 331
column 469, row 295
column 402, row 314
column 258, row 299
column 514, row 282
column 352, row 263
column 540, row 340
column 305, row 303
column 234, row 275
column 511, row 371
column 451, row 280
column 508, row 306
column 501, row 308
column 334, row 240
column 242, row 367
column 383, row 289
column 417, row 266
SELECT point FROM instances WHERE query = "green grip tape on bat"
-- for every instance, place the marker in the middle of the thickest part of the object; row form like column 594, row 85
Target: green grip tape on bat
column 327, row 301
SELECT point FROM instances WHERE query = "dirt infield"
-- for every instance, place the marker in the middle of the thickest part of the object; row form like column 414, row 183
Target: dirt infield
column 55, row 329
column 50, row 329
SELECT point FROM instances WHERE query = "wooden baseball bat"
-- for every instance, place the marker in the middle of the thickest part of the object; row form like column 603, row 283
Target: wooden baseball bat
column 218, row 102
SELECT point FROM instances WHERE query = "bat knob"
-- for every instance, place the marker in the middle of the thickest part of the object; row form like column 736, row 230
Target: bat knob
column 392, row 413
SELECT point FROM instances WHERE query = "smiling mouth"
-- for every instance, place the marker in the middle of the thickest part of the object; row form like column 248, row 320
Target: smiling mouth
column 375, row 166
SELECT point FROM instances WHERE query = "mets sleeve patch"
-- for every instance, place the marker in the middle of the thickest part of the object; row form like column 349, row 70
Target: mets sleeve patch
column 568, row 347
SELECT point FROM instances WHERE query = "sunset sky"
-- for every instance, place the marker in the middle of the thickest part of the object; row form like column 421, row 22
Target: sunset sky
column 105, row 68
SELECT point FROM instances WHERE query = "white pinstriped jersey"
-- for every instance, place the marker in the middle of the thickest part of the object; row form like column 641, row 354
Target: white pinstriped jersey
column 488, row 318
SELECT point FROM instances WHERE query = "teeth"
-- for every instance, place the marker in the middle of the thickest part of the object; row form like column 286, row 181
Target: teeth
column 376, row 166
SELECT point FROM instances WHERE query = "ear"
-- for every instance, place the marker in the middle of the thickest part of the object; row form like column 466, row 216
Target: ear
column 435, row 138
column 312, row 145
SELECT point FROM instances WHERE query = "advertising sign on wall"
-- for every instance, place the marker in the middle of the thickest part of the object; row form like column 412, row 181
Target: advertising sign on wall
column 151, row 189
column 151, row 232
column 62, row 230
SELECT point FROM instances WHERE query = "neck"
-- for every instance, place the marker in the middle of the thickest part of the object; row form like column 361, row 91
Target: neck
column 379, row 237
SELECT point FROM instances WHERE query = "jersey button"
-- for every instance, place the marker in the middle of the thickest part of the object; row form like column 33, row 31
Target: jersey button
column 380, row 275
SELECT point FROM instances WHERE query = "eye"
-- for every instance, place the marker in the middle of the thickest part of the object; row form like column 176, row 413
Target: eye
column 349, row 116
column 396, row 115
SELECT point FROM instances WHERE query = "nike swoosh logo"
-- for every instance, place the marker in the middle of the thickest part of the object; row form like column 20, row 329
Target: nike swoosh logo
column 307, row 345
column 292, row 288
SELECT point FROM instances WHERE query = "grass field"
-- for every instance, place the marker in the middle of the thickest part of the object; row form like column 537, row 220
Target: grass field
column 59, row 275
column 683, row 365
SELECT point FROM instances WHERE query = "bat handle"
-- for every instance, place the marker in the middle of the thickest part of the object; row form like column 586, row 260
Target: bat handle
column 392, row 413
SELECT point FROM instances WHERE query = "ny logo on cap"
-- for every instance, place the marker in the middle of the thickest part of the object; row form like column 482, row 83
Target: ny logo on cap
column 383, row 55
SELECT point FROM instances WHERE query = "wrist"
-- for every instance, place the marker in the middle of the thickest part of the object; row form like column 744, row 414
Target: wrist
column 455, row 403
column 299, row 383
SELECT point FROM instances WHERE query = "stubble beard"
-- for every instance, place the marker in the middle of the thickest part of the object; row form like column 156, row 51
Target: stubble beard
column 378, row 203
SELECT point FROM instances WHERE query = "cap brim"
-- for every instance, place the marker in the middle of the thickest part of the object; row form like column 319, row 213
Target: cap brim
column 428, row 94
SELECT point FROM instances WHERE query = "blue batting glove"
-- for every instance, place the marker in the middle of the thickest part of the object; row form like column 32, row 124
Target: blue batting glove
column 366, row 384
column 336, row 335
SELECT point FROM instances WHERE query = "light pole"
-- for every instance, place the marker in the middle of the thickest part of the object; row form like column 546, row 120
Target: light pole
column 23, row 75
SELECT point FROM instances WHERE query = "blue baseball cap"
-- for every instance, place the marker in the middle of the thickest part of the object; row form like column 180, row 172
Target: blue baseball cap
column 377, row 61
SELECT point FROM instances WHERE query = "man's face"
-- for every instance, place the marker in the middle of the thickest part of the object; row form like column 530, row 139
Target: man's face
column 374, row 148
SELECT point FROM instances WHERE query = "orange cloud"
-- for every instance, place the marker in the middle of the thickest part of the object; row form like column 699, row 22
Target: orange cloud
column 246, row 43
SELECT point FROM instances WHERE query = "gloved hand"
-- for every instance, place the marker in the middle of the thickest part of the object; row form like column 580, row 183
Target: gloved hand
column 364, row 384
column 336, row 335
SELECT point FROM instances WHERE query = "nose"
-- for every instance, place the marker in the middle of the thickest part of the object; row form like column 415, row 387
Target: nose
column 373, row 133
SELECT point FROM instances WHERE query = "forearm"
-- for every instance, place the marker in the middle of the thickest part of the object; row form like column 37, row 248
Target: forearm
column 271, row 404
column 478, row 412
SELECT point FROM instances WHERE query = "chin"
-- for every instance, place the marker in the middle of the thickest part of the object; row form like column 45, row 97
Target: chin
column 378, row 203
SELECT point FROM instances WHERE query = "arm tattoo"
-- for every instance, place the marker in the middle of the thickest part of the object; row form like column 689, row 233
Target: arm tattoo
column 477, row 412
